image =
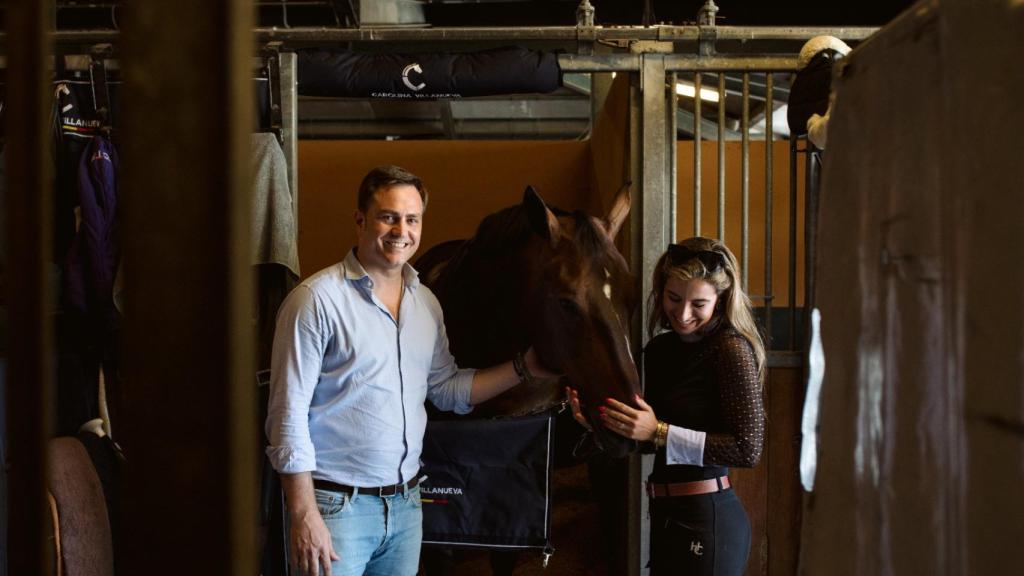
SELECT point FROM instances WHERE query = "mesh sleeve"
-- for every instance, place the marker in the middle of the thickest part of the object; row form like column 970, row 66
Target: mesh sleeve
column 742, row 407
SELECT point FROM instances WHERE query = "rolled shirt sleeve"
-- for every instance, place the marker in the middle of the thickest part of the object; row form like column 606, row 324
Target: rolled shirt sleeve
column 295, row 369
column 448, row 386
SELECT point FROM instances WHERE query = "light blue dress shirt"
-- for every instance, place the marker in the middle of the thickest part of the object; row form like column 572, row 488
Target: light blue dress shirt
column 348, row 383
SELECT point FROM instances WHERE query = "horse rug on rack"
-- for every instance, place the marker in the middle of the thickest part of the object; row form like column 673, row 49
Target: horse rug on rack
column 488, row 483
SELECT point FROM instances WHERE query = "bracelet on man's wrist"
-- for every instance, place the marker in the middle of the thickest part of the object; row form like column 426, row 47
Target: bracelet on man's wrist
column 519, row 365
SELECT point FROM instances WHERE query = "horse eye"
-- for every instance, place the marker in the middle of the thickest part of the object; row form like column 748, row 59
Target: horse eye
column 570, row 306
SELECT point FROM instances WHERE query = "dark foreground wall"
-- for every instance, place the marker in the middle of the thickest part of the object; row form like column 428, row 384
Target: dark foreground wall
column 920, row 294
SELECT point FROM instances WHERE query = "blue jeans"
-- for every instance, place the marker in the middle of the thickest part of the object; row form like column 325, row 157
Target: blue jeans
column 373, row 535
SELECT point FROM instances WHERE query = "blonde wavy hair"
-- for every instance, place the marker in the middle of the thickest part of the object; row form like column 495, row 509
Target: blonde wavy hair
column 698, row 258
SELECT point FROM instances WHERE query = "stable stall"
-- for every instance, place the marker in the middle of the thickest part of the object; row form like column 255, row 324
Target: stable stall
column 187, row 243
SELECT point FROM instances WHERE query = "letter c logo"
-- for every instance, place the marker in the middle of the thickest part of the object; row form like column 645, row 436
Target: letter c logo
column 405, row 77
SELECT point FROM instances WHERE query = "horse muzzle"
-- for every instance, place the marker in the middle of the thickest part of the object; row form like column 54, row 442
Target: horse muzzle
column 609, row 443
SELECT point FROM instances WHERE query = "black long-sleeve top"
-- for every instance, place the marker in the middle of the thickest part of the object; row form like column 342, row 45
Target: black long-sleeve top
column 712, row 386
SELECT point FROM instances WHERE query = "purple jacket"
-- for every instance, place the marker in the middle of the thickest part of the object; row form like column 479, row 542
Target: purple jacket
column 95, row 251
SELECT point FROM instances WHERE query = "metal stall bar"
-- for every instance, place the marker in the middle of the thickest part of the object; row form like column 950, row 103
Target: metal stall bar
column 289, row 126
column 677, row 63
column 571, row 37
column 697, row 145
column 812, row 181
column 657, row 189
column 721, row 156
column 768, row 175
column 672, row 119
column 745, row 181
column 564, row 33
column 188, row 293
column 30, row 294
column 730, row 62
column 792, row 240
column 635, row 509
column 524, row 34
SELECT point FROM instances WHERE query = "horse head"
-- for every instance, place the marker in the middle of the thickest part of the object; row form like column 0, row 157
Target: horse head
column 542, row 276
column 580, row 297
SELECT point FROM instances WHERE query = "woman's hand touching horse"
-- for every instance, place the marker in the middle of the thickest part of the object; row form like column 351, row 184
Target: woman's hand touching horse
column 577, row 411
column 638, row 424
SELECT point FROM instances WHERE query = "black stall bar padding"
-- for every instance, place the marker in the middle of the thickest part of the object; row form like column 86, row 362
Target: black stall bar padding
column 426, row 76
column 809, row 93
column 488, row 483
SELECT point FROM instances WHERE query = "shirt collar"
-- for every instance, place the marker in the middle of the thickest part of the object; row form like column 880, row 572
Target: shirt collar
column 355, row 272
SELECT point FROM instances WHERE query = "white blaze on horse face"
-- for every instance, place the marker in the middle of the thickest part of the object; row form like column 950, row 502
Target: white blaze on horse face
column 608, row 294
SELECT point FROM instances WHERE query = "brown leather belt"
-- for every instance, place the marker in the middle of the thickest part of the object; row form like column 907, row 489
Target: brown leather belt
column 390, row 490
column 694, row 488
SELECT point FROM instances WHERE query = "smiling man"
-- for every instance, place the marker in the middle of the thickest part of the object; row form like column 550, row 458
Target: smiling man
column 358, row 348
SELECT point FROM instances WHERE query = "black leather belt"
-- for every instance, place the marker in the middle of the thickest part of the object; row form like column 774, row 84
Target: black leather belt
column 390, row 490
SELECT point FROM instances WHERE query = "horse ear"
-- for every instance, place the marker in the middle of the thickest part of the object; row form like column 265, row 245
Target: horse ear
column 617, row 215
column 542, row 219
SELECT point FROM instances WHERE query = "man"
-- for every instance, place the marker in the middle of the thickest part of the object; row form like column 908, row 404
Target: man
column 358, row 348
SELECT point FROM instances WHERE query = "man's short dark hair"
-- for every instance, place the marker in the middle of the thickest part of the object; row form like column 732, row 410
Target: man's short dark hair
column 383, row 177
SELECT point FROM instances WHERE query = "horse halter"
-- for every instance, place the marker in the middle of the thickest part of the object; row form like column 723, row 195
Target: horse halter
column 679, row 255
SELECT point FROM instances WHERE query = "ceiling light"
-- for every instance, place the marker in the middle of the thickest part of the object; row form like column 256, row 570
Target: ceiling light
column 684, row 89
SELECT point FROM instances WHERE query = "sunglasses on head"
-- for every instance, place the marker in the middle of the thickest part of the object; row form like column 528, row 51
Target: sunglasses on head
column 679, row 255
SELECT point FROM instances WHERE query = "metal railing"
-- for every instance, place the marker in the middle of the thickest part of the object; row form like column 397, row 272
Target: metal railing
column 728, row 192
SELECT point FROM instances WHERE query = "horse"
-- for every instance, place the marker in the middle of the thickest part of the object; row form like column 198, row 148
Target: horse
column 537, row 275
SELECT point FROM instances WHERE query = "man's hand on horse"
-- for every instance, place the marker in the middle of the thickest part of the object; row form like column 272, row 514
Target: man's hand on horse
column 577, row 411
column 637, row 424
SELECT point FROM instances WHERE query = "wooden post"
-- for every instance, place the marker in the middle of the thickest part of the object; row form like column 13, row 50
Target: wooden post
column 29, row 297
column 190, row 423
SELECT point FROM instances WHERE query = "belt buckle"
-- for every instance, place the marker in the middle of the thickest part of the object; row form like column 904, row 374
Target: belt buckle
column 390, row 490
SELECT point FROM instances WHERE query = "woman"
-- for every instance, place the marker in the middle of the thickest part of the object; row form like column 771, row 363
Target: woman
column 703, row 411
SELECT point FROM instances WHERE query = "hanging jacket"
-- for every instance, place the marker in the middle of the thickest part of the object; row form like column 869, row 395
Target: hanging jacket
column 95, row 250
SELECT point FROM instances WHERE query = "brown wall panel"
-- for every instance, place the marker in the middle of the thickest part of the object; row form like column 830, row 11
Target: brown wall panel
column 751, row 486
column 770, row 491
column 466, row 180
column 784, row 394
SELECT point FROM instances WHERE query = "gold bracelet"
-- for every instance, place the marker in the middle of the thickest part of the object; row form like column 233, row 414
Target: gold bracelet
column 661, row 434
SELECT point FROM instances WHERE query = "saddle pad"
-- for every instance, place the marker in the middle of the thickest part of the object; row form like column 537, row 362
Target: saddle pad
column 488, row 483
